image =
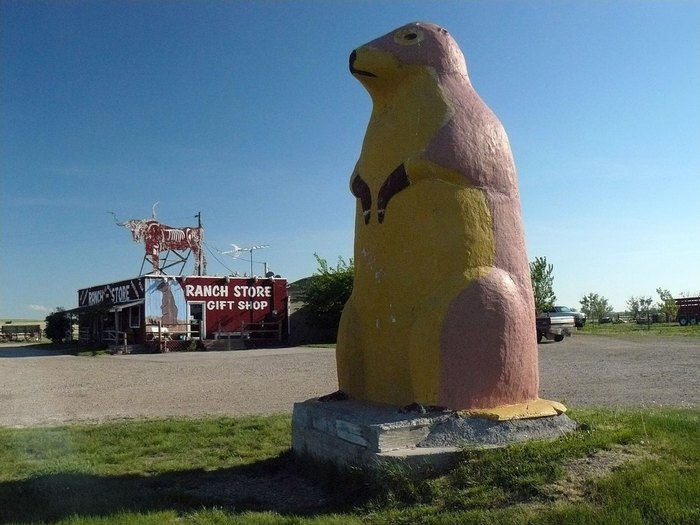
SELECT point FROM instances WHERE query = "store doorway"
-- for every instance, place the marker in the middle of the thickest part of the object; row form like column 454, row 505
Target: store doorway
column 198, row 325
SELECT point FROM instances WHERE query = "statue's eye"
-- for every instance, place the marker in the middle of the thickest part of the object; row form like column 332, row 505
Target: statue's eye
column 408, row 37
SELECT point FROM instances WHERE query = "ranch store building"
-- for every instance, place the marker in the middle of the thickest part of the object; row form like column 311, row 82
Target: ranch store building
column 165, row 313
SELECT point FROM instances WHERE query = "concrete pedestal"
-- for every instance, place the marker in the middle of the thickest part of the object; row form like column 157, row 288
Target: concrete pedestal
column 352, row 433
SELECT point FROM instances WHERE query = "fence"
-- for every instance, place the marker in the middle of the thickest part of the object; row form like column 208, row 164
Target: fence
column 173, row 337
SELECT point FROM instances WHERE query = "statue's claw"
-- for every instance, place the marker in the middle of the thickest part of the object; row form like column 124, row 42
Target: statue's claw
column 422, row 409
column 338, row 395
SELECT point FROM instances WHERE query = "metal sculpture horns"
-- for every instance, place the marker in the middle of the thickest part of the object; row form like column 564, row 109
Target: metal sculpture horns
column 158, row 238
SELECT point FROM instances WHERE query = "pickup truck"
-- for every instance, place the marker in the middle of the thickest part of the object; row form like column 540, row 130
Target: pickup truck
column 579, row 317
column 554, row 327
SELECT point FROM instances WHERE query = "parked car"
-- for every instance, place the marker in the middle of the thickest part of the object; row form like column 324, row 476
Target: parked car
column 554, row 327
column 558, row 311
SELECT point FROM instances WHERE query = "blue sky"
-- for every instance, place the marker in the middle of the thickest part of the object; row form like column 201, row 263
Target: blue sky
column 246, row 112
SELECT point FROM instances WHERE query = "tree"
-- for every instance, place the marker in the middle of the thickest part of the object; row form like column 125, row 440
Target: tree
column 633, row 307
column 328, row 291
column 645, row 309
column 542, row 284
column 58, row 325
column 595, row 306
column 588, row 304
column 667, row 304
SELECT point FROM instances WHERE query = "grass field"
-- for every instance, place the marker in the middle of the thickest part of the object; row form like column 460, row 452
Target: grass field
column 621, row 466
column 641, row 330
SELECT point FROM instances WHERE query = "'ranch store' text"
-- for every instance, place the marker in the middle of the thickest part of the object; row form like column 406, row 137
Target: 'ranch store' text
column 240, row 297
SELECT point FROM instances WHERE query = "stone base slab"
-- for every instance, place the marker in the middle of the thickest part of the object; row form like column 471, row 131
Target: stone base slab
column 353, row 433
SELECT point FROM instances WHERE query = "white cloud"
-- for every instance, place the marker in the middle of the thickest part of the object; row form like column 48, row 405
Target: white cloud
column 38, row 307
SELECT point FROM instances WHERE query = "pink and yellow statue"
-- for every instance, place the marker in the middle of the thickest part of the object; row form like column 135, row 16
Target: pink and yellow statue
column 442, row 308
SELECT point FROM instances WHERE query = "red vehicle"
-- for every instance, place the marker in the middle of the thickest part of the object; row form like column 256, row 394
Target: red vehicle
column 688, row 310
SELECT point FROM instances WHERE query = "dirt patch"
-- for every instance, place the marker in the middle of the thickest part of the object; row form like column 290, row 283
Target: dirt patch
column 580, row 472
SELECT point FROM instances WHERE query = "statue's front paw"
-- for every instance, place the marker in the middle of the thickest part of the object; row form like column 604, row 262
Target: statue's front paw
column 413, row 407
column 338, row 395
column 421, row 409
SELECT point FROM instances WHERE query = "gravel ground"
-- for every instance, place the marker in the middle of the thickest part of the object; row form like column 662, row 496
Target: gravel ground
column 38, row 387
column 590, row 371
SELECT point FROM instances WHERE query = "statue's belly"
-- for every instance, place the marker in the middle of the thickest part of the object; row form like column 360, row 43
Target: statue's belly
column 433, row 238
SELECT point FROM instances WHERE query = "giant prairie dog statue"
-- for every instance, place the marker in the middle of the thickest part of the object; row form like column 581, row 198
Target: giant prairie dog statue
column 442, row 308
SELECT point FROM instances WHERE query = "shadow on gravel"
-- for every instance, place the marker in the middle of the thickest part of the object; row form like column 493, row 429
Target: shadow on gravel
column 277, row 484
column 37, row 350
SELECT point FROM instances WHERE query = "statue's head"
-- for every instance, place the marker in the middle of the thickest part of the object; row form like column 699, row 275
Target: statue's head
column 384, row 60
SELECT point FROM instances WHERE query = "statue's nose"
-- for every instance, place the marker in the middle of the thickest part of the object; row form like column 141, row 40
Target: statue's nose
column 354, row 71
column 353, row 57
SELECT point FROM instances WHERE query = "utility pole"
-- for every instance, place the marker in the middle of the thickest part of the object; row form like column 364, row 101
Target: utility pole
column 199, row 255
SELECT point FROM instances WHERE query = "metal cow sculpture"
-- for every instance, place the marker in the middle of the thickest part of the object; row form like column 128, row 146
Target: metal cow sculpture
column 159, row 238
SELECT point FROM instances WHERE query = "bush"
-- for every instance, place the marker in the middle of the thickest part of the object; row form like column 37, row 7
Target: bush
column 327, row 292
column 58, row 326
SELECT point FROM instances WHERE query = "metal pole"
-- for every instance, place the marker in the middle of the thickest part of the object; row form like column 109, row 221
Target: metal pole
column 199, row 253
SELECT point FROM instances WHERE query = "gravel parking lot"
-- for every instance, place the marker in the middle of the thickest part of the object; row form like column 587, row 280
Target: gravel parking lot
column 38, row 387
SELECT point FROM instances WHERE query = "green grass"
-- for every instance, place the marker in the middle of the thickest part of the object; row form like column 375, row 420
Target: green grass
column 140, row 447
column 621, row 466
column 22, row 321
column 641, row 330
